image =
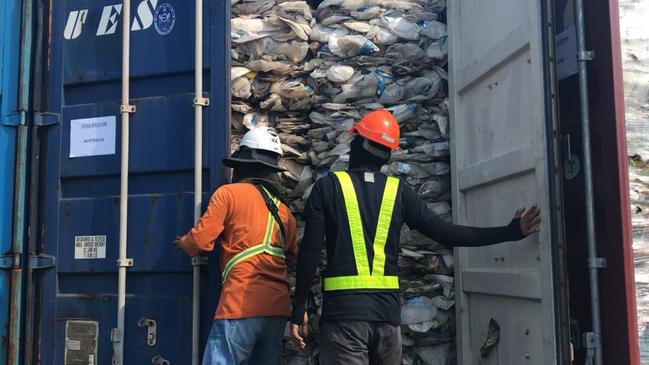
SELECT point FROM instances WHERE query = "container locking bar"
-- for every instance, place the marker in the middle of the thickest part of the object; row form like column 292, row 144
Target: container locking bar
column 593, row 339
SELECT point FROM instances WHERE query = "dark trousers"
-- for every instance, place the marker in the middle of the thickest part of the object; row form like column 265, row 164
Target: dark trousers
column 360, row 343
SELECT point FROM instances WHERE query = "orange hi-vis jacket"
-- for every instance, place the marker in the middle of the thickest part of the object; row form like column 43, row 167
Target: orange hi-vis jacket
column 258, row 286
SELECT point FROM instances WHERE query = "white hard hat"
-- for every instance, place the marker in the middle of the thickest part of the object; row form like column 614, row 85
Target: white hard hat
column 259, row 146
column 262, row 138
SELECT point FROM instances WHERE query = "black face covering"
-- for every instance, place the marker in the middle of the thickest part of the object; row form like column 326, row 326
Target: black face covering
column 360, row 157
column 254, row 171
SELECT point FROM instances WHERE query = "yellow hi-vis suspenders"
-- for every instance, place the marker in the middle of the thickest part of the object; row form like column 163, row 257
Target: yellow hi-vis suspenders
column 264, row 247
column 366, row 279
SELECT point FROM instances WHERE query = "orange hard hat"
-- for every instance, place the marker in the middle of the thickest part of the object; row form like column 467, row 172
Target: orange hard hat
column 379, row 126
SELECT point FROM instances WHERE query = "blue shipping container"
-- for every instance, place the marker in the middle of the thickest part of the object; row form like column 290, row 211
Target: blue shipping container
column 10, row 14
column 79, row 186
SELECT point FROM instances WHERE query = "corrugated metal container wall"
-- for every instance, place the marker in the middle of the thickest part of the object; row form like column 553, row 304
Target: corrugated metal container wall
column 9, row 44
column 81, row 176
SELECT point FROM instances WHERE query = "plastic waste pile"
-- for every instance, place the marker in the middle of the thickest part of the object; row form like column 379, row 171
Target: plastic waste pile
column 310, row 70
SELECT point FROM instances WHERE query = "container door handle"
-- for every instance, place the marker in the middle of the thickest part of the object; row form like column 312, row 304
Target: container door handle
column 151, row 326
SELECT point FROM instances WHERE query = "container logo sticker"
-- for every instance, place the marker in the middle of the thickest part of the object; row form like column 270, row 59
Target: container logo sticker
column 89, row 247
column 165, row 19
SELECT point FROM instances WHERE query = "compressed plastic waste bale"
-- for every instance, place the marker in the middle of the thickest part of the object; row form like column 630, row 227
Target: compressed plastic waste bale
column 311, row 73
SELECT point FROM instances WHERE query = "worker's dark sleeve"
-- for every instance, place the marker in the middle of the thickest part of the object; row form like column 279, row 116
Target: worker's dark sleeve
column 309, row 252
column 422, row 219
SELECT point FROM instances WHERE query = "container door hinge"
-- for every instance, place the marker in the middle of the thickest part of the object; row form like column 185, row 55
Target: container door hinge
column 11, row 261
column 40, row 262
column 46, row 119
column 151, row 326
column 590, row 344
column 159, row 360
column 10, row 119
column 34, row 262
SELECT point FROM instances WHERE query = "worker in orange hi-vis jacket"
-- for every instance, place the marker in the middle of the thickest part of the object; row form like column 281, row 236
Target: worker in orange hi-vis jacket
column 256, row 231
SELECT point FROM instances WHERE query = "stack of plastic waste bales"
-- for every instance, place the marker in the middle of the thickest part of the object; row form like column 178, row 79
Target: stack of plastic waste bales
column 311, row 70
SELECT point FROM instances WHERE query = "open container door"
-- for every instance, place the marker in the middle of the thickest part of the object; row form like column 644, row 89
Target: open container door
column 501, row 161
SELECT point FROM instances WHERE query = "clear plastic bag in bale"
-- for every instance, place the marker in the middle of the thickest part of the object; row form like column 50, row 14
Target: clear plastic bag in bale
column 351, row 45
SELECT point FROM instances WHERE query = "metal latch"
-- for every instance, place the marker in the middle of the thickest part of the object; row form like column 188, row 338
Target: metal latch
column 151, row 330
column 199, row 261
column 597, row 263
column 115, row 335
column 571, row 164
column 202, row 101
column 159, row 360
column 586, row 56
column 124, row 262
column 130, row 109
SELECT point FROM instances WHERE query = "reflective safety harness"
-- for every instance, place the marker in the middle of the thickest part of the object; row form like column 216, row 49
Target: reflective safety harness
column 264, row 247
column 366, row 279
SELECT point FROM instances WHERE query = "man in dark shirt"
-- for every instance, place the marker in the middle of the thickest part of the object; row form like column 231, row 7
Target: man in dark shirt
column 359, row 214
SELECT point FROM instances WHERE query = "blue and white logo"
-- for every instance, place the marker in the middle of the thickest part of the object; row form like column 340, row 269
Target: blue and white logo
column 165, row 19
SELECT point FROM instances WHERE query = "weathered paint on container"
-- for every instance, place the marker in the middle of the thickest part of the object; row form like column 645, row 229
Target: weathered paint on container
column 10, row 17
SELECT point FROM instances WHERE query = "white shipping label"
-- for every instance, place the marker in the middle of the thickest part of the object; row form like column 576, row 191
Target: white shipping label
column 89, row 247
column 73, row 345
column 92, row 136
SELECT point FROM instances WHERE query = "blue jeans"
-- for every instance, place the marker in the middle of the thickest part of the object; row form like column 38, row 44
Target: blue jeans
column 249, row 341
